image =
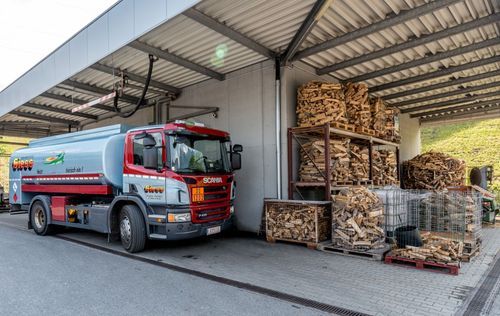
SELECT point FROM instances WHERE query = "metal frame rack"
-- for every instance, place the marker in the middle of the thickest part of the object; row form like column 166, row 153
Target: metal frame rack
column 325, row 132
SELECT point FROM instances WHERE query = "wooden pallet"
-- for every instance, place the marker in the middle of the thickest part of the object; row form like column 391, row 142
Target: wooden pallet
column 373, row 254
column 365, row 131
column 467, row 257
column 344, row 126
column 308, row 244
column 422, row 265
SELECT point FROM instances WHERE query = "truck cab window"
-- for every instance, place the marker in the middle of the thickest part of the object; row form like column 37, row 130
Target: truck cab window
column 138, row 148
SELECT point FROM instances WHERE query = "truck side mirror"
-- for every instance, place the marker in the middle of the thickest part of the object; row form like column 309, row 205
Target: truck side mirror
column 235, row 161
column 150, row 156
column 237, row 148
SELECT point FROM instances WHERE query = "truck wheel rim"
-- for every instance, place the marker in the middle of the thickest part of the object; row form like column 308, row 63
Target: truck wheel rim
column 125, row 231
column 39, row 218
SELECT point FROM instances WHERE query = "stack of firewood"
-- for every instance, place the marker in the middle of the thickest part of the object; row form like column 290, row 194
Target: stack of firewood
column 385, row 167
column 433, row 171
column 360, row 163
column 377, row 108
column 339, row 160
column 358, row 107
column 319, row 103
column 435, row 248
column 454, row 212
column 391, row 128
column 357, row 217
column 298, row 221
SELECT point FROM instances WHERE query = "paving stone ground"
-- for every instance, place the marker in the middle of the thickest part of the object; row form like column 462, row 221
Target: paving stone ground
column 357, row 284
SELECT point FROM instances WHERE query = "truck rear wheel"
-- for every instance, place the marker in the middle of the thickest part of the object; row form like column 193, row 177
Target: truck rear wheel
column 39, row 219
column 132, row 228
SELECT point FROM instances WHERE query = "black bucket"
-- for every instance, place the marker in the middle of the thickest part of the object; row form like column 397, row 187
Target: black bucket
column 408, row 236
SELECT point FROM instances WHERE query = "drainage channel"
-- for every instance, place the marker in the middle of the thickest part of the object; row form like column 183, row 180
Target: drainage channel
column 482, row 300
column 332, row 309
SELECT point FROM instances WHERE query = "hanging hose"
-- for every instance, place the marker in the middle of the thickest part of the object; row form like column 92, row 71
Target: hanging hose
column 143, row 95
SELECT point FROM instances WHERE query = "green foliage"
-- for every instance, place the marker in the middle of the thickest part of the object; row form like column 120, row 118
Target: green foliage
column 478, row 143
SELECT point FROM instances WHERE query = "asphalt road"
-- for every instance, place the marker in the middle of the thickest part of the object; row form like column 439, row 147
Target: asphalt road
column 50, row 276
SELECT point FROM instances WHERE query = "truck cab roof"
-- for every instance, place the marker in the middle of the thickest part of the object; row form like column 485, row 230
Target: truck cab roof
column 184, row 126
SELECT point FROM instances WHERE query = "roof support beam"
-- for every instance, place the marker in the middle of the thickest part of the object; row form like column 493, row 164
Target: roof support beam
column 448, row 94
column 75, row 101
column 402, row 17
column 451, row 102
column 100, row 91
column 58, row 110
column 136, row 78
column 452, row 82
column 489, row 112
column 428, row 59
column 422, row 40
column 457, row 108
column 176, row 60
column 44, row 118
column 318, row 10
column 436, row 74
column 221, row 28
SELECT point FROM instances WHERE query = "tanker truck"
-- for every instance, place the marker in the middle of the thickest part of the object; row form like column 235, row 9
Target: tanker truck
column 164, row 182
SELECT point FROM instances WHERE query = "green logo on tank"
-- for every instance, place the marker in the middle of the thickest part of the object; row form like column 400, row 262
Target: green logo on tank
column 54, row 160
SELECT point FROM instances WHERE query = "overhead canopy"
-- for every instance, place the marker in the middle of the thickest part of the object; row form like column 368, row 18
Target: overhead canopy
column 434, row 60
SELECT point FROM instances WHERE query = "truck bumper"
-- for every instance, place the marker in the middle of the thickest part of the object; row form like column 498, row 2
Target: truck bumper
column 179, row 231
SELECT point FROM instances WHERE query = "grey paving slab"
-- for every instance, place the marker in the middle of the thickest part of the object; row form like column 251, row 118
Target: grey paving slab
column 49, row 276
column 357, row 284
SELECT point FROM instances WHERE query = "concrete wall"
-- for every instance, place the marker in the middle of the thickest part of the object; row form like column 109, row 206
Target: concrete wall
column 410, row 137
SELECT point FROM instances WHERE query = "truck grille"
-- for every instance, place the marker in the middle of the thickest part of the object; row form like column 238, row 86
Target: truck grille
column 215, row 193
column 211, row 214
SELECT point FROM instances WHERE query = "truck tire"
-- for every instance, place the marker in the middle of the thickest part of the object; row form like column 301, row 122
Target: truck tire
column 39, row 219
column 132, row 228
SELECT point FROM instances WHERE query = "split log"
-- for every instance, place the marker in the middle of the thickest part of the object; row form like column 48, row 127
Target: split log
column 435, row 248
column 357, row 216
column 298, row 221
column 358, row 107
column 319, row 103
column 378, row 116
column 433, row 171
column 359, row 163
column 392, row 125
column 339, row 162
column 385, row 167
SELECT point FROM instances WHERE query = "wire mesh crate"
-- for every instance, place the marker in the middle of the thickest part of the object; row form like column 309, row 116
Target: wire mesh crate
column 443, row 226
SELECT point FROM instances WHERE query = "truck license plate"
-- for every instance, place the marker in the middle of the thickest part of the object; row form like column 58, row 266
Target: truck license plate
column 213, row 230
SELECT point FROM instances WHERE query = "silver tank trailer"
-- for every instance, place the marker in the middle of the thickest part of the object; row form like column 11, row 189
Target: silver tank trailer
column 75, row 156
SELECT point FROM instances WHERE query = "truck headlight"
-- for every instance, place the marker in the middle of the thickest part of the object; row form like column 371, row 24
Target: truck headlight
column 231, row 210
column 233, row 190
column 179, row 217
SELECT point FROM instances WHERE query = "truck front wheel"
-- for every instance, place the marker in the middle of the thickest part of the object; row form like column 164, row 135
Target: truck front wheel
column 132, row 228
column 39, row 219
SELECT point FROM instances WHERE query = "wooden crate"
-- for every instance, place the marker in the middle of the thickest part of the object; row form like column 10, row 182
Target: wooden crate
column 306, row 222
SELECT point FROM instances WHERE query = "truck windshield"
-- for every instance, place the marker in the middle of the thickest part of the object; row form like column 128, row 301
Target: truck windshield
column 197, row 154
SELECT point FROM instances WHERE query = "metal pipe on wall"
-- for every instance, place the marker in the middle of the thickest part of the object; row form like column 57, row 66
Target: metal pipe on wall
column 278, row 126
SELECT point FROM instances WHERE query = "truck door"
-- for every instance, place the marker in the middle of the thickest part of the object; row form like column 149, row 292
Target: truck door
column 148, row 183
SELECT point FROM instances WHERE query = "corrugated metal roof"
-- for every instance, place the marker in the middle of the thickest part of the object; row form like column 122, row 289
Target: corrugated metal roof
column 273, row 23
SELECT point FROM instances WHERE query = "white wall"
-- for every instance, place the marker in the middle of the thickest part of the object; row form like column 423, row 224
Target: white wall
column 410, row 137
